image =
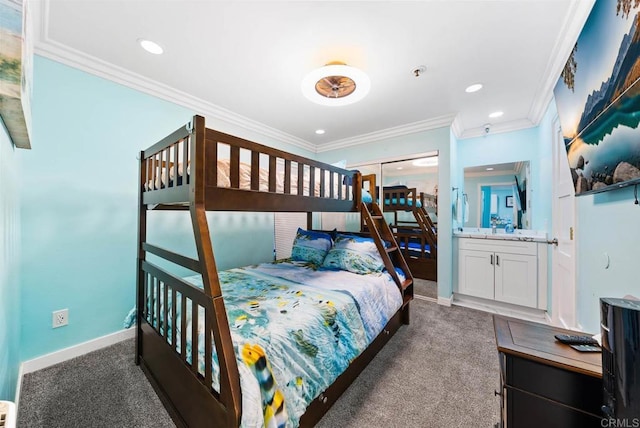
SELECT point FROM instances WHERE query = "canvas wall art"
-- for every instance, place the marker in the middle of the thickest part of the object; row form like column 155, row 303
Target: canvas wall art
column 598, row 99
column 16, row 58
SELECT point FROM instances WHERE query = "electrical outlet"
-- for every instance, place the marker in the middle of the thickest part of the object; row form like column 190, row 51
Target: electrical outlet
column 60, row 318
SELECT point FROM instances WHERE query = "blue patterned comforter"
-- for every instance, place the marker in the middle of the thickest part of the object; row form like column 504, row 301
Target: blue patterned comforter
column 295, row 330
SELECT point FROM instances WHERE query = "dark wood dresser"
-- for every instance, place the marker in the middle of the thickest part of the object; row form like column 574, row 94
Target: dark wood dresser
column 545, row 383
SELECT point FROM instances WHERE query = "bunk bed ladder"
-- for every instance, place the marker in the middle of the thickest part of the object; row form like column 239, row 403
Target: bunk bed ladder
column 428, row 228
column 391, row 255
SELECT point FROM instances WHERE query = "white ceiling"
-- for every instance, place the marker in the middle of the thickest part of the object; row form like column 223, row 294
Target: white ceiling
column 494, row 169
column 244, row 60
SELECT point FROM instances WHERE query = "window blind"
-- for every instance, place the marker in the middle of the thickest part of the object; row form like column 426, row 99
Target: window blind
column 286, row 226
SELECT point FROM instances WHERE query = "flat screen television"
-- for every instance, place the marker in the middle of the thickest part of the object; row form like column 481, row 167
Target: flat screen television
column 598, row 99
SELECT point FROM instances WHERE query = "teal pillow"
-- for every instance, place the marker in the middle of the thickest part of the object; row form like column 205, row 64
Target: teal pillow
column 309, row 246
column 355, row 254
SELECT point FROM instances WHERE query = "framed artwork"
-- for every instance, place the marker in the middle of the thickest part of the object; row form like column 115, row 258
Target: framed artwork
column 598, row 99
column 16, row 71
column 508, row 201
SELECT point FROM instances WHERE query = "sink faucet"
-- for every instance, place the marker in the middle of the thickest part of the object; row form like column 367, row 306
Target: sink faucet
column 493, row 227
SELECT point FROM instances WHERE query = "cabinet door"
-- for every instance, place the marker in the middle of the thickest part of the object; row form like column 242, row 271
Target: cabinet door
column 475, row 273
column 516, row 279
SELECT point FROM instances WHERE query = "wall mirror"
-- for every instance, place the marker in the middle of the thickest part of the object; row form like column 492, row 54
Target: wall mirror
column 498, row 194
column 420, row 174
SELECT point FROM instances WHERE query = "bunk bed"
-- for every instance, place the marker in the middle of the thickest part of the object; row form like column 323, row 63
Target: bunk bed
column 417, row 237
column 191, row 330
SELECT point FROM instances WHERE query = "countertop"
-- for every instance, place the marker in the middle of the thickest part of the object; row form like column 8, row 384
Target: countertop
column 486, row 233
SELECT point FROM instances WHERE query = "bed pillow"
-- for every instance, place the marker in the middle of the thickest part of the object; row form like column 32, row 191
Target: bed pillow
column 309, row 246
column 355, row 254
column 366, row 196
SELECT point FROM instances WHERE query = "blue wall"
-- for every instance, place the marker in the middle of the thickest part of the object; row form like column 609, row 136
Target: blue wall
column 606, row 223
column 10, row 176
column 79, row 207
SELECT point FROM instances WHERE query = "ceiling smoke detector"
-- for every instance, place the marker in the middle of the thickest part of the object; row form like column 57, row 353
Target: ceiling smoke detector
column 418, row 71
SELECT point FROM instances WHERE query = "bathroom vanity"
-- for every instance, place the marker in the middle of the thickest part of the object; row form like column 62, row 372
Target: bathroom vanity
column 506, row 268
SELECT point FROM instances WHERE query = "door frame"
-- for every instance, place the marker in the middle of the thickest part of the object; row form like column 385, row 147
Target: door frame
column 566, row 238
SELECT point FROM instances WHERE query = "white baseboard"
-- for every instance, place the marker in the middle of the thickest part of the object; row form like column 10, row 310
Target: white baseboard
column 425, row 298
column 16, row 398
column 65, row 354
column 445, row 301
column 506, row 309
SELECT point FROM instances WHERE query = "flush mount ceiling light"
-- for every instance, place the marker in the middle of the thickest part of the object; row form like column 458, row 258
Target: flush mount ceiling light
column 432, row 161
column 319, row 131
column 474, row 88
column 151, row 47
column 496, row 114
column 335, row 84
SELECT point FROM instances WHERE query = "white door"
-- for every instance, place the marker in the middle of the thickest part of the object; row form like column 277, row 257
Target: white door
column 563, row 306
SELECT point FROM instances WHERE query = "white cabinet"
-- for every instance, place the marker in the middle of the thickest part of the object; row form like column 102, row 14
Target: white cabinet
column 502, row 270
column 476, row 273
column 516, row 279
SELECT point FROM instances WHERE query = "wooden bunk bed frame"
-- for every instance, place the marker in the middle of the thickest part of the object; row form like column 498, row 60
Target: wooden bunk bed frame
column 180, row 173
column 423, row 264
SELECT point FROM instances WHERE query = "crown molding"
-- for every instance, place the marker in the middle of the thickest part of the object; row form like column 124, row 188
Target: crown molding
column 490, row 174
column 514, row 125
column 61, row 53
column 574, row 21
column 456, row 127
column 397, row 131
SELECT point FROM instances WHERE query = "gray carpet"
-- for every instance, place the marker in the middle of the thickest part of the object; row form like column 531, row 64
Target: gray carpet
column 426, row 288
column 440, row 371
column 101, row 389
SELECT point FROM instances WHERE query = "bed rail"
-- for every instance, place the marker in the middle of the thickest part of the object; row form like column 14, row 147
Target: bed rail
column 170, row 311
column 226, row 168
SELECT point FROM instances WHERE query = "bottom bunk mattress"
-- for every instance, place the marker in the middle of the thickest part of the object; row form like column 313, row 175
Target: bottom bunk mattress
column 295, row 329
column 415, row 247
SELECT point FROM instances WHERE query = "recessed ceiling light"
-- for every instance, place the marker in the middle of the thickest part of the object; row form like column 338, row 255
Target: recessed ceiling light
column 319, row 131
column 474, row 88
column 496, row 114
column 489, row 169
column 151, row 47
column 431, row 161
column 399, row 167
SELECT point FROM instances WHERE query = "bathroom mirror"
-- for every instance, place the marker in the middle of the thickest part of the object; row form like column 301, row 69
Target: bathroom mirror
column 497, row 194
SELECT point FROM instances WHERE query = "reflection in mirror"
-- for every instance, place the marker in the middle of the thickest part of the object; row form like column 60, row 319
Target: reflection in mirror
column 407, row 193
column 497, row 194
column 420, row 174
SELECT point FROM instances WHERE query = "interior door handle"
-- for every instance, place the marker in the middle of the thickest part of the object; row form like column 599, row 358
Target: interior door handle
column 554, row 241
